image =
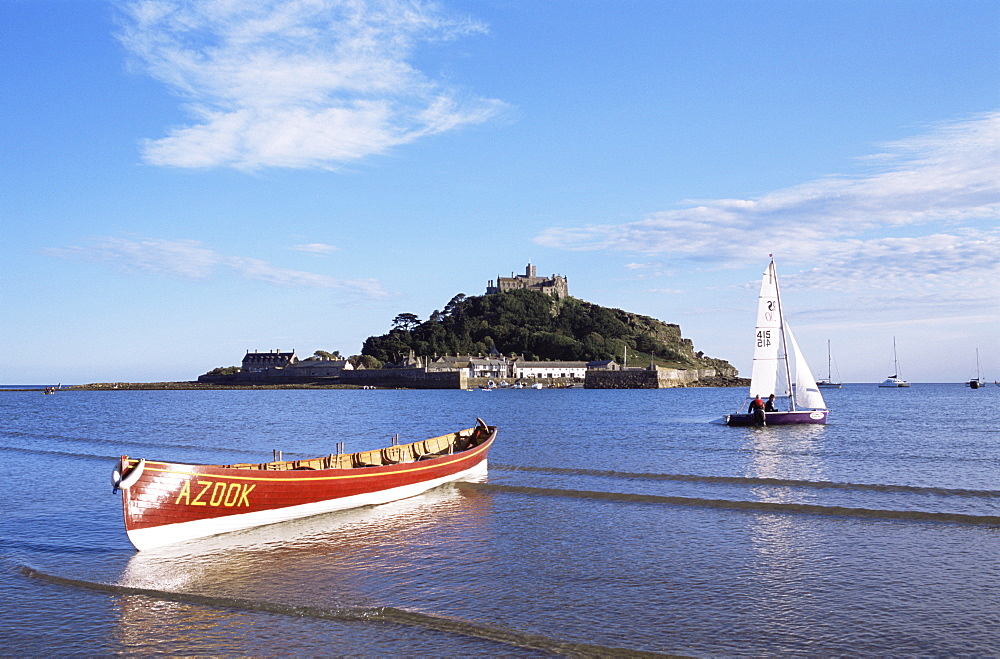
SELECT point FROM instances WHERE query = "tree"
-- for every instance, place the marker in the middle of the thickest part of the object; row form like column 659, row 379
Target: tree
column 405, row 321
column 323, row 354
column 454, row 304
column 225, row 370
column 364, row 361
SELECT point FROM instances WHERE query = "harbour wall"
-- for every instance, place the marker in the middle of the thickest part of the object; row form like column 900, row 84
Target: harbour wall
column 657, row 377
column 388, row 378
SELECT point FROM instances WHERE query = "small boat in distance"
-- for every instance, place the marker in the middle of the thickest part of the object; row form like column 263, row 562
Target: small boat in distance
column 779, row 369
column 828, row 382
column 166, row 503
column 894, row 381
column 976, row 382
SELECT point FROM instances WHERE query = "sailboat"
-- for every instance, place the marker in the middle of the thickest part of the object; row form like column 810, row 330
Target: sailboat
column 828, row 382
column 976, row 382
column 779, row 367
column 894, row 381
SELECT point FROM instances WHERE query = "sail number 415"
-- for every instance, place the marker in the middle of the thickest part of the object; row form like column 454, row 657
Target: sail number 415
column 763, row 338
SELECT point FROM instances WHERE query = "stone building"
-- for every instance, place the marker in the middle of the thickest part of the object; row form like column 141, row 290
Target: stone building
column 316, row 367
column 556, row 285
column 258, row 362
column 449, row 363
column 604, row 365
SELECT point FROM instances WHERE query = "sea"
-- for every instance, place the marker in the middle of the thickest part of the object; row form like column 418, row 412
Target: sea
column 611, row 522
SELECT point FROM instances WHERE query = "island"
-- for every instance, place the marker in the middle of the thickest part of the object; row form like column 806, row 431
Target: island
column 526, row 330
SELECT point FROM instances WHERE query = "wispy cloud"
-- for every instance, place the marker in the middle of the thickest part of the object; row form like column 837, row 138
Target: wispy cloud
column 871, row 228
column 320, row 249
column 296, row 83
column 190, row 259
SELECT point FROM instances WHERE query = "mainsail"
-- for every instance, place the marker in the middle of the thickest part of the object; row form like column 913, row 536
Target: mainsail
column 763, row 377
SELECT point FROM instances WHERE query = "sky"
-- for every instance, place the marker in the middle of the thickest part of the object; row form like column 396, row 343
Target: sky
column 182, row 181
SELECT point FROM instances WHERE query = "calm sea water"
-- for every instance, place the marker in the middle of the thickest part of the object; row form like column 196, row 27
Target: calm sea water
column 611, row 521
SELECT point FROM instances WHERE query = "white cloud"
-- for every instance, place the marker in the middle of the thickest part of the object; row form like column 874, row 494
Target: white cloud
column 321, row 249
column 178, row 258
column 864, row 230
column 189, row 259
column 295, row 83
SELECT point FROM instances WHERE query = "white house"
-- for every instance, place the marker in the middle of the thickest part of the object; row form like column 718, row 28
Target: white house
column 489, row 367
column 537, row 370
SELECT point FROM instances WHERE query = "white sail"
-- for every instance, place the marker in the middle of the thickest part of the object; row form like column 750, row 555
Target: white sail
column 807, row 394
column 763, row 377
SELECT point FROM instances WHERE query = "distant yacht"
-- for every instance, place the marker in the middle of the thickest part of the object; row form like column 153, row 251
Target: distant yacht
column 894, row 381
column 828, row 382
column 976, row 382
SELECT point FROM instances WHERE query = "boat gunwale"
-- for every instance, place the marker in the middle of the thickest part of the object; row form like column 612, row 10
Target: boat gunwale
column 777, row 417
column 333, row 473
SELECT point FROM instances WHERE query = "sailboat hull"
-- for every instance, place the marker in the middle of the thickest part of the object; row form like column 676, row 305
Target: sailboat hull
column 780, row 418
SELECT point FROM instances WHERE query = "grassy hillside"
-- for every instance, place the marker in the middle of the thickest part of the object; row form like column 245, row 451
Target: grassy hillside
column 538, row 327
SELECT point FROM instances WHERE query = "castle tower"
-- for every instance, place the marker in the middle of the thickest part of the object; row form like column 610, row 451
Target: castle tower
column 557, row 286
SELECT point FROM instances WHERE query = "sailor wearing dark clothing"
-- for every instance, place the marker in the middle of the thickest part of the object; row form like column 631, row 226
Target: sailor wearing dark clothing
column 757, row 409
column 769, row 404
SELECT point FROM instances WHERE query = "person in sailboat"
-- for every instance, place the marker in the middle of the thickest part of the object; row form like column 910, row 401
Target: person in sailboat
column 769, row 404
column 757, row 409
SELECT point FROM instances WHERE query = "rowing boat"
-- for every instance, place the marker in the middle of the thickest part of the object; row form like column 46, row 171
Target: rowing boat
column 166, row 502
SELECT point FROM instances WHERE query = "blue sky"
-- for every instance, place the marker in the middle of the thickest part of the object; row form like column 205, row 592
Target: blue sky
column 183, row 181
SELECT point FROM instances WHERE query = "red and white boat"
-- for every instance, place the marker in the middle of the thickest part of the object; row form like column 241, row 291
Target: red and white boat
column 166, row 503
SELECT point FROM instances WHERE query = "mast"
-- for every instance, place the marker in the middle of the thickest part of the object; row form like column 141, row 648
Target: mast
column 784, row 339
column 829, row 362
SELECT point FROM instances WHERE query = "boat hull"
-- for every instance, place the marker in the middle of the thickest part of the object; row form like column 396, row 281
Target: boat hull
column 780, row 418
column 173, row 502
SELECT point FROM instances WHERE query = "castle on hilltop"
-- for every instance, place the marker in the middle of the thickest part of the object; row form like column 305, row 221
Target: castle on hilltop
column 557, row 286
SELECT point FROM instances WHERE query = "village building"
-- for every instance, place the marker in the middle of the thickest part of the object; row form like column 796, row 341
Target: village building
column 557, row 286
column 258, row 362
column 548, row 370
column 604, row 365
column 317, row 367
column 489, row 367
column 449, row 363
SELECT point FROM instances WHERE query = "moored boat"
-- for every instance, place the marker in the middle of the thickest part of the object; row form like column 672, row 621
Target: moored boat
column 894, row 381
column 977, row 381
column 828, row 382
column 780, row 372
column 166, row 503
